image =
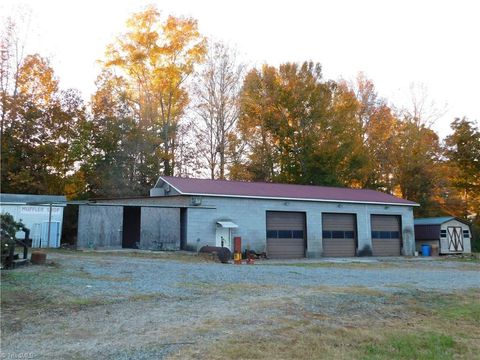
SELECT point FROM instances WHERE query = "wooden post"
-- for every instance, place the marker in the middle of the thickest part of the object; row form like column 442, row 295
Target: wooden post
column 49, row 224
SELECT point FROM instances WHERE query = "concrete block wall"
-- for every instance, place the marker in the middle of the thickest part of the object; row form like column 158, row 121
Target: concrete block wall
column 250, row 216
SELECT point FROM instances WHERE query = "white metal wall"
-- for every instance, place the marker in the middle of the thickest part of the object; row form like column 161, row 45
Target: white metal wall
column 35, row 218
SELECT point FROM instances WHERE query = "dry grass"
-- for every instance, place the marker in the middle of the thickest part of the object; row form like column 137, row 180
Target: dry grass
column 435, row 327
column 252, row 321
column 469, row 262
column 187, row 257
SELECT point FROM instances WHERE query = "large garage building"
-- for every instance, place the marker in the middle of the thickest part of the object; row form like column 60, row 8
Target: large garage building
column 283, row 220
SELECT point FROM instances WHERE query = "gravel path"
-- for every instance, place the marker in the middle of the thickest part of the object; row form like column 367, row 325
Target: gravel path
column 121, row 307
column 153, row 275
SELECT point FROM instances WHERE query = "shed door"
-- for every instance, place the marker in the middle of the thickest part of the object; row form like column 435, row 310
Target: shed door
column 386, row 235
column 455, row 238
column 285, row 235
column 40, row 237
column 339, row 234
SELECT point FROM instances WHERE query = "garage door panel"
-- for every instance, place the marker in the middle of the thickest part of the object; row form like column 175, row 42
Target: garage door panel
column 332, row 222
column 385, row 222
column 283, row 235
column 283, row 242
column 386, row 247
column 285, row 221
column 386, row 235
column 286, row 255
column 339, row 235
column 275, row 250
column 336, row 247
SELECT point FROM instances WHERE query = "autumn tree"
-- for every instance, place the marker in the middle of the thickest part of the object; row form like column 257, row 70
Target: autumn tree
column 216, row 107
column 340, row 155
column 12, row 48
column 299, row 128
column 421, row 108
column 379, row 126
column 256, row 103
column 114, row 162
column 417, row 161
column 41, row 132
column 151, row 63
column 463, row 160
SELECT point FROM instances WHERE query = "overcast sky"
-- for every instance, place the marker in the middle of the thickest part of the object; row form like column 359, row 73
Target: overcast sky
column 394, row 43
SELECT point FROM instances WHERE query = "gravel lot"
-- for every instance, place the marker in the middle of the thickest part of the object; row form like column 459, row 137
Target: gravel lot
column 122, row 307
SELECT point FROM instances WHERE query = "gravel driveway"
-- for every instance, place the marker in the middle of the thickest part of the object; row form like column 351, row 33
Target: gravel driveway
column 118, row 307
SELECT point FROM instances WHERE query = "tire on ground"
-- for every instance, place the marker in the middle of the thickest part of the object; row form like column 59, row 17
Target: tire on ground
column 223, row 254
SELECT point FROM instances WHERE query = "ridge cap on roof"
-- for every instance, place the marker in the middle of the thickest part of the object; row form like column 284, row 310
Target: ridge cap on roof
column 273, row 183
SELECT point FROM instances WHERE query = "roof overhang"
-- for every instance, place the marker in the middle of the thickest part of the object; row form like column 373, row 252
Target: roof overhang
column 35, row 203
column 303, row 199
column 463, row 221
column 412, row 204
column 227, row 224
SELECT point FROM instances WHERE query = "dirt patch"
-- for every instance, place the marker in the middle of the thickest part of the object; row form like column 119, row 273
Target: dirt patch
column 182, row 310
column 183, row 256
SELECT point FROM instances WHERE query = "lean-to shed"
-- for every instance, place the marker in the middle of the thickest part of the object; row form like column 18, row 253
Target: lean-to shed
column 42, row 214
column 451, row 235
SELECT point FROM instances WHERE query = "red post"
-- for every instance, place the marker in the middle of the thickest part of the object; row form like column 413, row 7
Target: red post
column 237, row 244
column 237, row 250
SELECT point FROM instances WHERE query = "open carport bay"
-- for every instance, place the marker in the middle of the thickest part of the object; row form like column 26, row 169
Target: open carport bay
column 180, row 306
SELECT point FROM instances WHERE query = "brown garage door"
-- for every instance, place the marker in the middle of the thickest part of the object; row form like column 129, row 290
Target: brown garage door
column 339, row 234
column 386, row 238
column 285, row 235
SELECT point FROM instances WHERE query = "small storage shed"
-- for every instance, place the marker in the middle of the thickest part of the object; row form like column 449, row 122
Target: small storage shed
column 451, row 235
column 42, row 214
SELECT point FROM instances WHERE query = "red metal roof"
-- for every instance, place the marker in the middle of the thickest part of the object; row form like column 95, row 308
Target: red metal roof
column 191, row 186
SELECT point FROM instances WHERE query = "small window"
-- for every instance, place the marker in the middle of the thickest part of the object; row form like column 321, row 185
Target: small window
column 327, row 234
column 284, row 234
column 466, row 233
column 443, row 233
column 394, row 235
column 349, row 234
column 272, row 234
column 338, row 234
column 384, row 234
column 297, row 234
column 375, row 235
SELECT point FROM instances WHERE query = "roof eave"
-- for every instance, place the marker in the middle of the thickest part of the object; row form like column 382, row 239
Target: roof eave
column 289, row 199
column 303, row 199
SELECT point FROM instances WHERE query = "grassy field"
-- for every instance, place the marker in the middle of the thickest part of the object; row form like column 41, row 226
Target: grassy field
column 428, row 326
column 42, row 305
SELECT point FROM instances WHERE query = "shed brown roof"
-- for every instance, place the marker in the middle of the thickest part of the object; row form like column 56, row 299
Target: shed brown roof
column 227, row 188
